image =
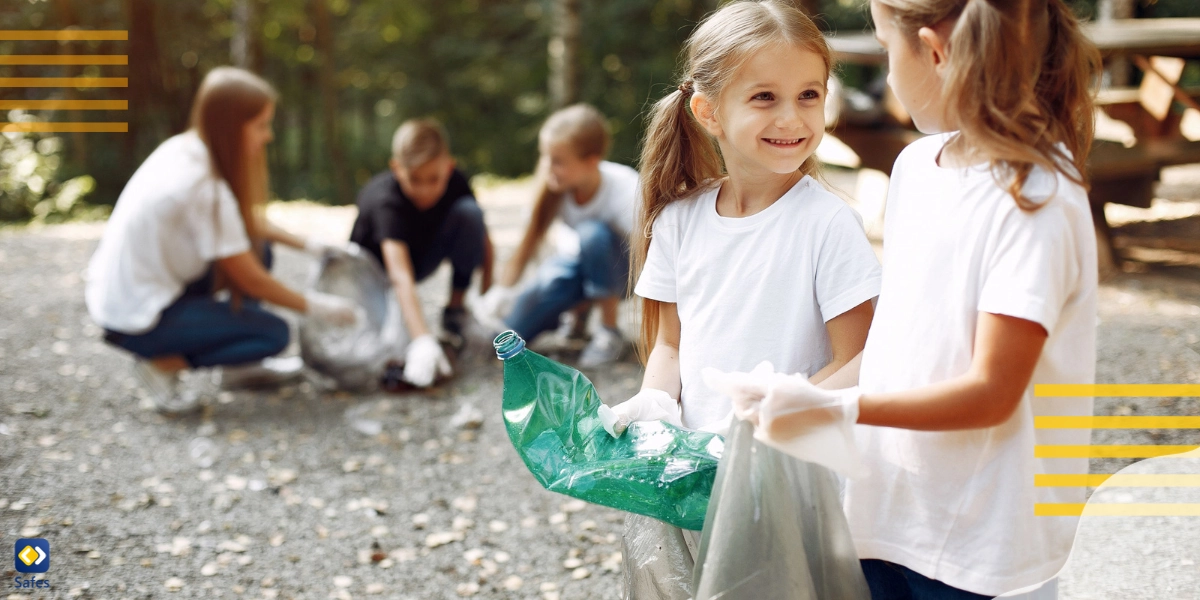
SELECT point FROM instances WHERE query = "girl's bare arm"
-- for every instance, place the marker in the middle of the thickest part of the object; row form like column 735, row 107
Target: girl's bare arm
column 847, row 336
column 662, row 367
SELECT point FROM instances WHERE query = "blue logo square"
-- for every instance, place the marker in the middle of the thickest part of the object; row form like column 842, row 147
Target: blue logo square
column 32, row 555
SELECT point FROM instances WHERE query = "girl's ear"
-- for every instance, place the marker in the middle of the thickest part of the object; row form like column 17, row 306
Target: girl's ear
column 933, row 47
column 706, row 113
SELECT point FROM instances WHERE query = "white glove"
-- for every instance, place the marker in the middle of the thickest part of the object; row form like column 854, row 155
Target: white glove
column 331, row 309
column 647, row 405
column 320, row 249
column 497, row 302
column 819, row 424
column 424, row 361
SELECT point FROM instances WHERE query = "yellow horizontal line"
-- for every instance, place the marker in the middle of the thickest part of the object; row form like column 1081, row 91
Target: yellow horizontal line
column 1116, row 390
column 1097, row 451
column 64, row 59
column 64, row 127
column 1117, row 480
column 1116, row 422
column 65, row 82
column 65, row 35
column 1104, row 509
column 64, row 105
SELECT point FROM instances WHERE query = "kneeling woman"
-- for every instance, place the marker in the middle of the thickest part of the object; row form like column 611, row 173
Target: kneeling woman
column 189, row 224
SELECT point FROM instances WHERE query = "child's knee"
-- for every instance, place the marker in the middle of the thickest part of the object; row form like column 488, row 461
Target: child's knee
column 275, row 334
column 594, row 234
column 466, row 212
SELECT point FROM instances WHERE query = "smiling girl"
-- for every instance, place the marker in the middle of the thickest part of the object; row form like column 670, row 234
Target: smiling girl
column 742, row 257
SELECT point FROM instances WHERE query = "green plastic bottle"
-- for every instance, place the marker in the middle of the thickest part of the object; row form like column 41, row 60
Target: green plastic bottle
column 653, row 469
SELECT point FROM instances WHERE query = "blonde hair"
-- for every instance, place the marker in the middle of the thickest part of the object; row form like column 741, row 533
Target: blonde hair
column 418, row 141
column 1018, row 83
column 581, row 128
column 679, row 157
column 227, row 100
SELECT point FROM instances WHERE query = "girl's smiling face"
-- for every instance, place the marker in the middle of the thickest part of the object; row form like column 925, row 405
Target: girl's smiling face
column 771, row 115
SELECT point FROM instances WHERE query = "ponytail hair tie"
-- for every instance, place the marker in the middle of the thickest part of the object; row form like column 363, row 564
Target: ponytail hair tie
column 687, row 87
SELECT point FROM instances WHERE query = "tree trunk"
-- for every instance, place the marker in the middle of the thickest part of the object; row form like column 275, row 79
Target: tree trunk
column 244, row 50
column 78, row 146
column 145, row 81
column 329, row 100
column 1119, row 67
column 564, row 53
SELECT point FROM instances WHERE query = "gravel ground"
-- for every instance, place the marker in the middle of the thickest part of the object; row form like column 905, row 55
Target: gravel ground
column 307, row 492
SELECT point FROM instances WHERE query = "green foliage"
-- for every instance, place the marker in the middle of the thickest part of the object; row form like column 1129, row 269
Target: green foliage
column 480, row 66
column 29, row 184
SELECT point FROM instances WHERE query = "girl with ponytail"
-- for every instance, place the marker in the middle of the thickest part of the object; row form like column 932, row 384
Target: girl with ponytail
column 739, row 255
column 188, row 224
column 989, row 290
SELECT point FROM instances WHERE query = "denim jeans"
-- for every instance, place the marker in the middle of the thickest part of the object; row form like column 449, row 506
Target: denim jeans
column 460, row 240
column 890, row 581
column 600, row 270
column 206, row 332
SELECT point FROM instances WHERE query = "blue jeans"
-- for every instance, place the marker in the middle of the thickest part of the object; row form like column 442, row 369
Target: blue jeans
column 207, row 332
column 890, row 581
column 460, row 240
column 601, row 270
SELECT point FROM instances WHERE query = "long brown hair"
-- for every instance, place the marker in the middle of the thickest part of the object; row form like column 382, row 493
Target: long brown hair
column 1018, row 82
column 227, row 100
column 680, row 158
column 583, row 129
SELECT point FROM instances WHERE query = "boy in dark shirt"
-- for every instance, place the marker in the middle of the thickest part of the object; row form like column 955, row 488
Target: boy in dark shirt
column 412, row 217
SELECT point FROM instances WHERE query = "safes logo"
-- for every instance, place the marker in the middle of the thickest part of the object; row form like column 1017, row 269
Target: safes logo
column 31, row 555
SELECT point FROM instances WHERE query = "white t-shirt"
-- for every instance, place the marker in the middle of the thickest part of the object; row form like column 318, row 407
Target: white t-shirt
column 756, row 288
column 614, row 202
column 173, row 219
column 958, row 506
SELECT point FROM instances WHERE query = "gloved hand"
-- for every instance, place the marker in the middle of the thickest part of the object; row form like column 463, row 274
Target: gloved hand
column 497, row 302
column 321, row 249
column 795, row 416
column 647, row 405
column 331, row 309
column 424, row 361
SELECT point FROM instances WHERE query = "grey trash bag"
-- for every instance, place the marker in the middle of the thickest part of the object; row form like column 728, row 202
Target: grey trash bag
column 659, row 559
column 355, row 357
column 775, row 529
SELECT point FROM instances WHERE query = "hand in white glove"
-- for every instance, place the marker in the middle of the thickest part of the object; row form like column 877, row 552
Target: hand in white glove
column 424, row 361
column 647, row 405
column 795, row 416
column 763, row 397
column 331, row 309
column 498, row 301
column 320, row 249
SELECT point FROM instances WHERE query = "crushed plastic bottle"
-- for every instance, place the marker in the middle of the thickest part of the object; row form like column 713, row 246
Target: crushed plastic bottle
column 653, row 469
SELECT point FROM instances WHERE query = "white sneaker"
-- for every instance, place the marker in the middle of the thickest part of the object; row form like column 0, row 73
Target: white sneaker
column 164, row 389
column 605, row 348
column 265, row 373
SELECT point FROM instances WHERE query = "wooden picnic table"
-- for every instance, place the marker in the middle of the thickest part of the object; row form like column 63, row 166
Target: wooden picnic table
column 1119, row 174
column 1159, row 37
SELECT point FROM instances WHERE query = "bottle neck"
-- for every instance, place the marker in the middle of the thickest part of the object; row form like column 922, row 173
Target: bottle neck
column 508, row 345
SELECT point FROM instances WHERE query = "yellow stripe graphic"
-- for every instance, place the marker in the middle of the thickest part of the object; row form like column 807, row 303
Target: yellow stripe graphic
column 1117, row 480
column 76, row 82
column 64, row 127
column 1116, row 422
column 1104, row 509
column 1108, row 390
column 1097, row 451
column 65, row 59
column 66, row 35
column 64, row 105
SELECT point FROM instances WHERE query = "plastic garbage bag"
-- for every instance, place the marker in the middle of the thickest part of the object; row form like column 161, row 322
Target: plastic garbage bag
column 775, row 529
column 653, row 469
column 659, row 559
column 355, row 357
